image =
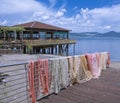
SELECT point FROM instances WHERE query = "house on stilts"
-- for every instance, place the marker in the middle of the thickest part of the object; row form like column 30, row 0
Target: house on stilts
column 35, row 37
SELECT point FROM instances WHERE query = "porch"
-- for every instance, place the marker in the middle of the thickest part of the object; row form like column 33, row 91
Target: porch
column 42, row 46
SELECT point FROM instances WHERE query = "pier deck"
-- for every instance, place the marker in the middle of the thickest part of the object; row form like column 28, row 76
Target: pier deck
column 106, row 89
column 49, row 42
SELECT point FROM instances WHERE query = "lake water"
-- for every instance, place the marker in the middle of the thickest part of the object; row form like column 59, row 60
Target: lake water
column 97, row 44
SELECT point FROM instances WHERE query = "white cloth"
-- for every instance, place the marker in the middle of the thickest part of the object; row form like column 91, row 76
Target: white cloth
column 59, row 74
column 103, row 60
column 63, row 73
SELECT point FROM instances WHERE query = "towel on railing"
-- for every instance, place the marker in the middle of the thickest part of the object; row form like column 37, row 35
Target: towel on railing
column 63, row 67
column 42, row 77
column 31, row 83
column 38, row 79
column 85, row 74
column 93, row 65
column 108, row 61
column 76, row 68
column 71, row 73
column 98, row 62
column 60, row 74
column 51, row 76
column 75, row 71
column 104, row 60
column 56, row 75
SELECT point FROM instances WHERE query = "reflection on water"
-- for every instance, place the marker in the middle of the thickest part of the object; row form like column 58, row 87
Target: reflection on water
column 97, row 44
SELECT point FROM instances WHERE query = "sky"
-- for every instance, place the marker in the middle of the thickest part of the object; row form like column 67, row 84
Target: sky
column 75, row 15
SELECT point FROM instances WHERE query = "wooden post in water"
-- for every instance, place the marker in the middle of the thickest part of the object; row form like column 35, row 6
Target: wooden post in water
column 52, row 50
column 56, row 50
column 74, row 49
column 67, row 45
column 60, row 47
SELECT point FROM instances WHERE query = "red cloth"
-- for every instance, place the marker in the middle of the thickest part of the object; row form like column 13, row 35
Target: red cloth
column 38, row 78
column 31, row 87
column 42, row 75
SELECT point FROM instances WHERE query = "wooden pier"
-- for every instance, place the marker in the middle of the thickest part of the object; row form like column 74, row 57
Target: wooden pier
column 106, row 89
column 51, row 46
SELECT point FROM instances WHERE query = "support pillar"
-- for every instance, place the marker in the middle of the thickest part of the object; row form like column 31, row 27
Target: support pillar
column 74, row 49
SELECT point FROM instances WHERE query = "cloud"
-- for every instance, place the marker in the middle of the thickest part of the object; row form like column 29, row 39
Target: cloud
column 60, row 13
column 18, row 6
column 52, row 3
column 3, row 22
column 41, row 15
column 16, row 11
column 107, row 27
column 97, row 19
column 106, row 16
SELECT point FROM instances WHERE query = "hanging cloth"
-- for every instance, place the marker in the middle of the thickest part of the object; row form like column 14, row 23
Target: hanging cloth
column 51, row 76
column 108, row 61
column 43, row 75
column 104, row 60
column 85, row 74
column 31, row 84
column 93, row 65
column 56, row 75
column 63, row 73
column 76, row 68
column 71, row 70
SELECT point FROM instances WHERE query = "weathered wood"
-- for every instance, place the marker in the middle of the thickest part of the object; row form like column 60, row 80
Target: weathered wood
column 106, row 89
column 42, row 42
column 55, row 46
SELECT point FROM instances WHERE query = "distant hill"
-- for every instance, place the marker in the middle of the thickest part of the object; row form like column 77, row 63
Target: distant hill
column 112, row 34
column 96, row 34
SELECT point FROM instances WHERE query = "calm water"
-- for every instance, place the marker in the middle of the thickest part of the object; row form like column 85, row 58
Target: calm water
column 97, row 44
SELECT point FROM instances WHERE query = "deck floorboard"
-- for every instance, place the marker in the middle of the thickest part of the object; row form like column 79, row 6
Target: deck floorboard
column 106, row 89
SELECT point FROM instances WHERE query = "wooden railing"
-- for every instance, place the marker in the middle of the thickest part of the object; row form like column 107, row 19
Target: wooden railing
column 43, row 42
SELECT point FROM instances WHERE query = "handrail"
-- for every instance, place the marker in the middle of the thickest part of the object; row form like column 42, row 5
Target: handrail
column 13, row 83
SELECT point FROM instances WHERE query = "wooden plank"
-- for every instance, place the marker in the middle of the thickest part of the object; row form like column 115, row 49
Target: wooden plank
column 106, row 89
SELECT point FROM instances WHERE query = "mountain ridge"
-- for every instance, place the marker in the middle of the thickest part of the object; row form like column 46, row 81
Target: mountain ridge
column 106, row 34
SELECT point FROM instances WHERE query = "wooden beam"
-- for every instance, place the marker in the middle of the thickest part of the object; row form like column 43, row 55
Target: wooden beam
column 74, row 49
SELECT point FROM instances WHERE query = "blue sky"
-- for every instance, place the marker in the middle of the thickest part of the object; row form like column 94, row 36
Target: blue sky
column 76, row 15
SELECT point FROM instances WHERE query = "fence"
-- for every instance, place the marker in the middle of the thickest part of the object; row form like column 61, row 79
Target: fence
column 20, row 84
column 13, row 83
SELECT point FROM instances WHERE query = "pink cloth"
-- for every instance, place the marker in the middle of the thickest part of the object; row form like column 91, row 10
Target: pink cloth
column 98, row 58
column 93, row 64
column 38, row 82
column 31, row 86
column 42, row 75
column 108, row 61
